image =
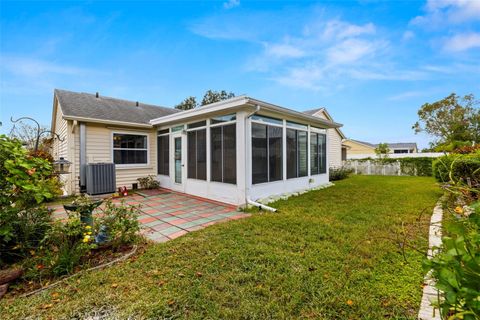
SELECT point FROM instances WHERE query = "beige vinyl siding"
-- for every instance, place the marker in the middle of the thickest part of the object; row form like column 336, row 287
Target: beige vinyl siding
column 99, row 149
column 62, row 149
column 334, row 143
column 358, row 148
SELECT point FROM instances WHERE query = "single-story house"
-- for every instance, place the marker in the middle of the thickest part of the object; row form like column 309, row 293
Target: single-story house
column 356, row 147
column 337, row 151
column 237, row 150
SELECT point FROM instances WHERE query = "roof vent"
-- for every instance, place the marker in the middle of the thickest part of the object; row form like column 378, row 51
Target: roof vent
column 136, row 103
column 96, row 95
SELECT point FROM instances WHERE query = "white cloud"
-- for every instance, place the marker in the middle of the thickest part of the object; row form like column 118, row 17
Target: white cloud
column 29, row 67
column 440, row 12
column 231, row 4
column 351, row 50
column 337, row 29
column 407, row 35
column 283, row 51
column 462, row 42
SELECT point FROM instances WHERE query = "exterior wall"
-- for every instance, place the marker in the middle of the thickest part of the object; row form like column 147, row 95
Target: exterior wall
column 61, row 148
column 357, row 148
column 99, row 148
column 237, row 193
column 225, row 192
column 334, row 148
column 334, row 142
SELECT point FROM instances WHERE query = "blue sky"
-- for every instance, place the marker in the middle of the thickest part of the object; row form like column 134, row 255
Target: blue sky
column 372, row 64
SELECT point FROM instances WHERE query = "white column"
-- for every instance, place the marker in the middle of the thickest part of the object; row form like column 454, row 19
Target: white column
column 242, row 156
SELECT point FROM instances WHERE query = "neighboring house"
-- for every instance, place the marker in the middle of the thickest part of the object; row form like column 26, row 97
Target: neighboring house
column 337, row 152
column 233, row 151
column 356, row 147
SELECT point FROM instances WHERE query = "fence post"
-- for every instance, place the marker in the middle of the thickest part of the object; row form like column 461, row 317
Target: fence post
column 355, row 162
column 399, row 166
column 369, row 168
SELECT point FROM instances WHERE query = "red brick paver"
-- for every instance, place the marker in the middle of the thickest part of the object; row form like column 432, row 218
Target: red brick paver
column 166, row 215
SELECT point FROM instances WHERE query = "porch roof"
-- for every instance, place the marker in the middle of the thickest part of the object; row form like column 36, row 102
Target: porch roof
column 243, row 102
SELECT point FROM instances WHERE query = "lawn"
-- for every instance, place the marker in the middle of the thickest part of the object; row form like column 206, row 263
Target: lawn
column 326, row 254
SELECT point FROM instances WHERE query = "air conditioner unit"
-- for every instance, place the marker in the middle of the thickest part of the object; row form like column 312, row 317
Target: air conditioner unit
column 100, row 178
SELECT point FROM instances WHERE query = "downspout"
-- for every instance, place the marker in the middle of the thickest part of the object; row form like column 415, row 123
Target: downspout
column 247, row 199
column 83, row 157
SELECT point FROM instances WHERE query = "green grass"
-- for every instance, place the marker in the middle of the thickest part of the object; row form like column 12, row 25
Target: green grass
column 319, row 251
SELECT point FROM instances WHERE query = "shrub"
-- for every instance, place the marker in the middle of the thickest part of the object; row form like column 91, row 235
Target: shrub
column 25, row 180
column 456, row 267
column 22, row 230
column 458, row 168
column 66, row 244
column 149, row 182
column 339, row 173
column 121, row 222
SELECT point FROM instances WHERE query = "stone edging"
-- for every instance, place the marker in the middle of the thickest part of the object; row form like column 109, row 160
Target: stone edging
column 430, row 293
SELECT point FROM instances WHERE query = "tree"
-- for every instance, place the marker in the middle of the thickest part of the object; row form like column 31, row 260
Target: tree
column 27, row 135
column 216, row 96
column 187, row 104
column 453, row 122
column 210, row 96
column 382, row 150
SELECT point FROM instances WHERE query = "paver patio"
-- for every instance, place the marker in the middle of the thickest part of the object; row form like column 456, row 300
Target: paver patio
column 165, row 214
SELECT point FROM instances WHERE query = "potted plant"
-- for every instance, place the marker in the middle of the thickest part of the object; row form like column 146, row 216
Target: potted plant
column 84, row 206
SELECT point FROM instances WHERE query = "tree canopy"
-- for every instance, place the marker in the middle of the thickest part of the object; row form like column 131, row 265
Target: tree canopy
column 382, row 150
column 210, row 96
column 453, row 122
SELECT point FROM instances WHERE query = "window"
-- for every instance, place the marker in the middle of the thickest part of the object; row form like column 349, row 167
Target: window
column 318, row 153
column 267, row 120
column 221, row 119
column 163, row 152
column 197, row 124
column 197, row 154
column 266, row 153
column 130, row 148
column 223, row 153
column 297, row 148
column 400, row 151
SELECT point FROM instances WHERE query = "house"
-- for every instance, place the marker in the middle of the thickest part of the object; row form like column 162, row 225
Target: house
column 337, row 151
column 356, row 147
column 238, row 150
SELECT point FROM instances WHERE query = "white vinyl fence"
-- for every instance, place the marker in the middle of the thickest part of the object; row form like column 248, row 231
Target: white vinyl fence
column 368, row 167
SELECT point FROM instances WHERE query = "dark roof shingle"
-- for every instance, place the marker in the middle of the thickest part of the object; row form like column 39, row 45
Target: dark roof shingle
column 86, row 105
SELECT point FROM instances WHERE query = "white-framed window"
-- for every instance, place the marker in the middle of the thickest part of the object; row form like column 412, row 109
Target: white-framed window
column 163, row 152
column 318, row 153
column 297, row 150
column 130, row 148
column 267, row 149
column 197, row 150
column 223, row 149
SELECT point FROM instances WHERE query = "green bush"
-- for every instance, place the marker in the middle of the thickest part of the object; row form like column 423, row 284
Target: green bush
column 149, row 182
column 339, row 173
column 121, row 222
column 66, row 244
column 457, row 269
column 21, row 231
column 458, row 168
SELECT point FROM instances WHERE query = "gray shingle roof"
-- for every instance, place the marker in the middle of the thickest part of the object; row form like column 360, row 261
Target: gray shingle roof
column 86, row 105
column 402, row 145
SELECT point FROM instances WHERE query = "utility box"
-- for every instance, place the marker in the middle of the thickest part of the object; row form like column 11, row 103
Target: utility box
column 100, row 178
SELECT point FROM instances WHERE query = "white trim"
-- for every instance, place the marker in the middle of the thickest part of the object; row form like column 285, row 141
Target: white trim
column 104, row 121
column 131, row 165
column 238, row 102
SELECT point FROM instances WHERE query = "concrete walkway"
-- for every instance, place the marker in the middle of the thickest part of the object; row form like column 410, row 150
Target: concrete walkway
column 166, row 215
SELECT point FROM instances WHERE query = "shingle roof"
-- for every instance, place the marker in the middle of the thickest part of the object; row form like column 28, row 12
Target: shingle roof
column 402, row 145
column 396, row 145
column 86, row 105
